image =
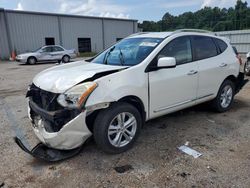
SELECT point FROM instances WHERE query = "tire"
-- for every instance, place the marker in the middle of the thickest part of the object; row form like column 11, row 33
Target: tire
column 224, row 99
column 107, row 136
column 247, row 68
column 31, row 61
column 65, row 59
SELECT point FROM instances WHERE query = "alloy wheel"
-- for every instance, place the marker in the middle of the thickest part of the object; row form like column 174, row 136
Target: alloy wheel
column 226, row 96
column 122, row 129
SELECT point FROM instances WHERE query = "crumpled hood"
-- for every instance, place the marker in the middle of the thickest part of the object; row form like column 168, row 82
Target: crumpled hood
column 60, row 78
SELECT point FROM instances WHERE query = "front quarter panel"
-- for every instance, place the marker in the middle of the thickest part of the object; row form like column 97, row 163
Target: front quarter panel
column 129, row 82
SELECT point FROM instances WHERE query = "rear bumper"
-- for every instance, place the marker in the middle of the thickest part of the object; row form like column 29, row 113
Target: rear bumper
column 72, row 134
column 72, row 56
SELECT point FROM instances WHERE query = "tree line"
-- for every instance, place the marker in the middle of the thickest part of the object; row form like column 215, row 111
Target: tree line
column 213, row 19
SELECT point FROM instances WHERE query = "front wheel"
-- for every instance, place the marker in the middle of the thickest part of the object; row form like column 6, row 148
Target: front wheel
column 31, row 61
column 247, row 68
column 65, row 59
column 117, row 127
column 225, row 96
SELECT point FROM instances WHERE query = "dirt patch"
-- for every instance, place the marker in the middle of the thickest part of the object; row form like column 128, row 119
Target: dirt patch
column 154, row 161
column 11, row 92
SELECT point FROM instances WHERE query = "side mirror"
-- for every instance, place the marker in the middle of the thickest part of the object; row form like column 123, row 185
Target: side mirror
column 166, row 62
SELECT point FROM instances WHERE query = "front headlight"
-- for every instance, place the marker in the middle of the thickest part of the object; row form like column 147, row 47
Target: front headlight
column 76, row 96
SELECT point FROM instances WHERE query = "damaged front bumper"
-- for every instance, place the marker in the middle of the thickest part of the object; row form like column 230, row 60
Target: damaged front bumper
column 62, row 131
column 72, row 135
column 45, row 153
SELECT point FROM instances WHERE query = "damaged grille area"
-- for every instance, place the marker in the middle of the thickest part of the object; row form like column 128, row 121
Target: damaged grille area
column 44, row 106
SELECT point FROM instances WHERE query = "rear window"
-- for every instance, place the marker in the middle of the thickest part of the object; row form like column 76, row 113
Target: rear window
column 235, row 50
column 204, row 47
column 221, row 44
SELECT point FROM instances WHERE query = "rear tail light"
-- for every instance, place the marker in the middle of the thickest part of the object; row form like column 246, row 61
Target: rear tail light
column 239, row 59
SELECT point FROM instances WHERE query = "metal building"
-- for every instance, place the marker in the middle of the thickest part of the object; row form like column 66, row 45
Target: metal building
column 240, row 39
column 24, row 31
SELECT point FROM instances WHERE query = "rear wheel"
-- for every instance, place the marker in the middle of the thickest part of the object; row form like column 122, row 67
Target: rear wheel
column 225, row 96
column 31, row 60
column 247, row 68
column 117, row 127
column 65, row 59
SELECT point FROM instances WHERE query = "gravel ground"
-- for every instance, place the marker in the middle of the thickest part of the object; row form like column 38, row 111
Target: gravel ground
column 154, row 161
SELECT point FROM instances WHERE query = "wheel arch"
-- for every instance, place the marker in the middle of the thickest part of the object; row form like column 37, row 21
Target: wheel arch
column 31, row 57
column 66, row 55
column 137, row 103
column 131, row 99
column 231, row 78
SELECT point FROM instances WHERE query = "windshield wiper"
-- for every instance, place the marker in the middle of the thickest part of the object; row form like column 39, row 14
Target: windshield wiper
column 121, row 56
column 107, row 54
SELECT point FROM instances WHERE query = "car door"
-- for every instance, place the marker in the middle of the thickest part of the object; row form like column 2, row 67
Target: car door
column 211, row 66
column 171, row 89
column 45, row 53
column 57, row 52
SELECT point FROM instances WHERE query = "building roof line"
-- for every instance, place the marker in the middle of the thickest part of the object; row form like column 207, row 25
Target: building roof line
column 65, row 15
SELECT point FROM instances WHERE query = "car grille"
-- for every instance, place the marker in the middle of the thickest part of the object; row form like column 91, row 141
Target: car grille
column 44, row 99
column 48, row 101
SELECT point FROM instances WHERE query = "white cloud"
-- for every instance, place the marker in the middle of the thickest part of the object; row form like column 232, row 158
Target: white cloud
column 107, row 8
column 93, row 7
column 180, row 4
column 19, row 6
column 218, row 3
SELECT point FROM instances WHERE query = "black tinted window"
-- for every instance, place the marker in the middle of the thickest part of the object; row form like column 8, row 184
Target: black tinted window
column 235, row 50
column 204, row 47
column 47, row 49
column 180, row 48
column 57, row 49
column 221, row 44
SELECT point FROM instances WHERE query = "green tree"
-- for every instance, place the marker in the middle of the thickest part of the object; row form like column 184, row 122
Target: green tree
column 214, row 19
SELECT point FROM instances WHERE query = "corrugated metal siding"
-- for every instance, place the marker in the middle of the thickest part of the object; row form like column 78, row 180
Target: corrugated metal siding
column 116, row 29
column 239, row 39
column 28, row 32
column 74, row 28
column 4, row 48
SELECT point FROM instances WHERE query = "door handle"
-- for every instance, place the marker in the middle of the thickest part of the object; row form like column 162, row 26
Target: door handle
column 192, row 72
column 223, row 65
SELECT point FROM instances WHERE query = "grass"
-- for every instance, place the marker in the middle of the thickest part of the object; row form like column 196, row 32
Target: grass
column 87, row 54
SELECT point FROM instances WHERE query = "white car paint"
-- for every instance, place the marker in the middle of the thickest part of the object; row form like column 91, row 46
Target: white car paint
column 71, row 136
column 74, row 73
column 161, row 92
column 41, row 55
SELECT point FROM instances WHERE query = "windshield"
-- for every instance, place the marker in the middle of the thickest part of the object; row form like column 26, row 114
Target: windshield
column 128, row 52
column 37, row 49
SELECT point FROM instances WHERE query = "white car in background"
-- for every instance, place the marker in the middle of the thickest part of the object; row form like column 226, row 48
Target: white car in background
column 247, row 65
column 142, row 77
column 47, row 53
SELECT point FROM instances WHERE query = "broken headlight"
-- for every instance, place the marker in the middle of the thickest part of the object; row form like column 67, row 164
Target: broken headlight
column 77, row 95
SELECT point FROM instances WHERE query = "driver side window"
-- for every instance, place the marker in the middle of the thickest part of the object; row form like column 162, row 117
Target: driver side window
column 47, row 49
column 180, row 48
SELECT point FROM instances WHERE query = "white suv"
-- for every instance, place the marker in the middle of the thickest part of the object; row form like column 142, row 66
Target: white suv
column 142, row 77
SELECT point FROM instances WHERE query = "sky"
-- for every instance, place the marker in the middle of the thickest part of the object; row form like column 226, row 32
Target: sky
column 132, row 9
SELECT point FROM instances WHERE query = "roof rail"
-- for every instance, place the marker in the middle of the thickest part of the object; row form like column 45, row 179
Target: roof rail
column 138, row 33
column 193, row 30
